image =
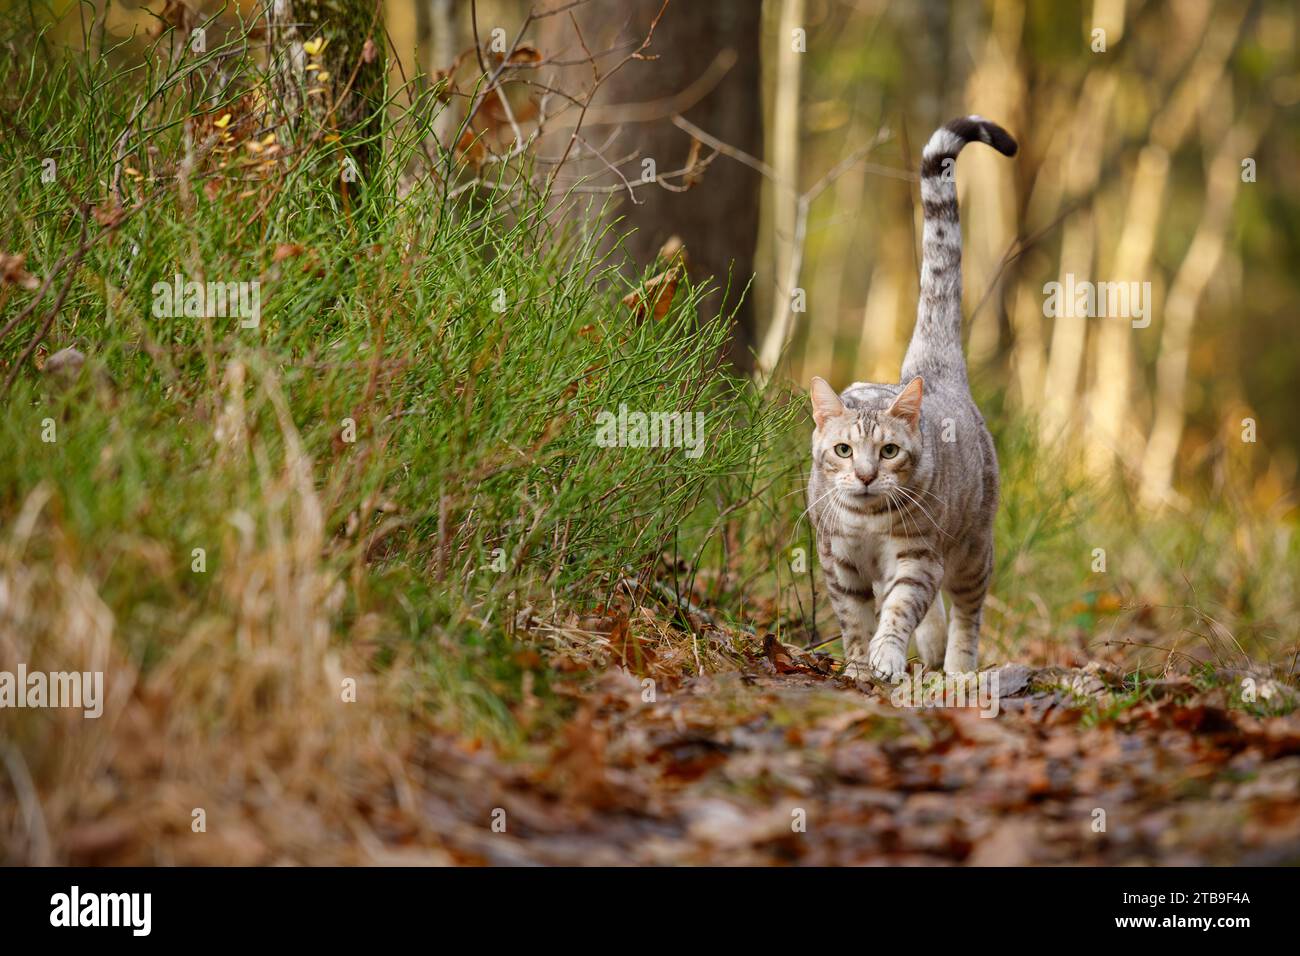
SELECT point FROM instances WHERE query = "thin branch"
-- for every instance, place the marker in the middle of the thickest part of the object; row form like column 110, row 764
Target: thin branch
column 82, row 248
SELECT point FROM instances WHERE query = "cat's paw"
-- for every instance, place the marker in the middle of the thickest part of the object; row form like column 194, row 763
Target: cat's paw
column 888, row 663
column 931, row 645
column 959, row 662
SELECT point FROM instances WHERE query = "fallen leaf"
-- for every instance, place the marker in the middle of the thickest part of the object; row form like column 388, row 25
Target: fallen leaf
column 659, row 289
column 13, row 273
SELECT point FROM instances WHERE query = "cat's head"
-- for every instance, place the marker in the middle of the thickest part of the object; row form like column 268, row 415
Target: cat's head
column 872, row 446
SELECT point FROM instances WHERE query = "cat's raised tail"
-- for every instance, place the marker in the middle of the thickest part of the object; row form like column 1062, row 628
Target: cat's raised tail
column 935, row 351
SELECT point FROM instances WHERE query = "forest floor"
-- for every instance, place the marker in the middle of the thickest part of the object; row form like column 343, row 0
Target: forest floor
column 647, row 742
column 777, row 760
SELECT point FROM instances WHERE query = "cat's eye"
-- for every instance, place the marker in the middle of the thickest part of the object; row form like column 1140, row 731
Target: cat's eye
column 843, row 450
column 889, row 451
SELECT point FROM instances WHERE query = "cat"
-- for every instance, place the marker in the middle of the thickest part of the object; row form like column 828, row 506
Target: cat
column 904, row 481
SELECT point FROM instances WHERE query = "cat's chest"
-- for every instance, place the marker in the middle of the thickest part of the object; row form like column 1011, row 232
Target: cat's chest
column 863, row 552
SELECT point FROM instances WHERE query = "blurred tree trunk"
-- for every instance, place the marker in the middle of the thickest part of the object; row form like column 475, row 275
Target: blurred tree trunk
column 1078, row 252
column 789, row 212
column 329, row 57
column 785, row 164
column 717, row 219
column 1112, row 424
column 437, row 40
column 1221, row 184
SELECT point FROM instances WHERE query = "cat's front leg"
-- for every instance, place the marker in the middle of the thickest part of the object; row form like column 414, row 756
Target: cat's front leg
column 853, row 601
column 908, row 596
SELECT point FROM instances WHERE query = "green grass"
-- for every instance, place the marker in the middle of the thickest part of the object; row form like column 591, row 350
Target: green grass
column 470, row 343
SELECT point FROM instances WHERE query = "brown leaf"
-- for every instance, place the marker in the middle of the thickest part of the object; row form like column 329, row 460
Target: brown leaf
column 780, row 657
column 368, row 51
column 443, row 85
column 578, row 763
column 286, row 250
column 13, row 273
column 471, row 149
column 630, row 649
column 659, row 290
column 527, row 659
column 525, row 54
column 174, row 14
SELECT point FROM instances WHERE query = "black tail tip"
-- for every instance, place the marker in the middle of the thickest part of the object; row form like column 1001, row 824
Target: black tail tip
column 977, row 129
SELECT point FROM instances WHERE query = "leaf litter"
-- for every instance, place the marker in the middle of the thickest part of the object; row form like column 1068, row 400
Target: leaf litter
column 769, row 758
column 709, row 745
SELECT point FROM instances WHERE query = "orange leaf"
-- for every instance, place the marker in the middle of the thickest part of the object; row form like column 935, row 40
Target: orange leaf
column 659, row 290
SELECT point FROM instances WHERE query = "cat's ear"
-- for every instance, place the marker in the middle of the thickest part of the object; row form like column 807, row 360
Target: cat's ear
column 825, row 403
column 907, row 407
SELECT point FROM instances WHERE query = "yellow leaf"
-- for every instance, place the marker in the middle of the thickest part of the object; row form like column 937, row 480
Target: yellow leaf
column 315, row 46
column 323, row 76
column 223, row 122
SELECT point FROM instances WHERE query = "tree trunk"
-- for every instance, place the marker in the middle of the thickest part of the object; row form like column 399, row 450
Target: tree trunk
column 717, row 219
column 329, row 56
column 437, row 41
column 785, row 193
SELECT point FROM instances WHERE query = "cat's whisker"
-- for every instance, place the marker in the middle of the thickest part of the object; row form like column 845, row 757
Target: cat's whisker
column 811, row 506
column 808, row 511
column 927, row 491
column 902, row 514
column 802, row 490
column 909, row 495
column 832, row 513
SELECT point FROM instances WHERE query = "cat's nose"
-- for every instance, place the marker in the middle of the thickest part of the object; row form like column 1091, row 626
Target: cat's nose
column 866, row 479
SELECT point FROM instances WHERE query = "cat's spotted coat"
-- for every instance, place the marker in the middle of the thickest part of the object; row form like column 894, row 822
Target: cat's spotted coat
column 904, row 482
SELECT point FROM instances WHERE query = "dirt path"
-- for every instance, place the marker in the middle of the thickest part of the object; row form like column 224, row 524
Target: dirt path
column 755, row 766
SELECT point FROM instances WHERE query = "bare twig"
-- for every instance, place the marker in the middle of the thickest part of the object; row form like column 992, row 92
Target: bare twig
column 82, row 248
column 637, row 54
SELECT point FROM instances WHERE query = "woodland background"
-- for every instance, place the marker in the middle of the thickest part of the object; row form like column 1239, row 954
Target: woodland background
column 502, row 594
column 1116, row 181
